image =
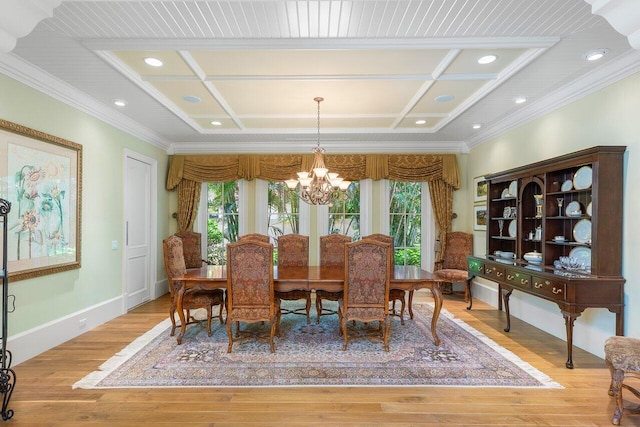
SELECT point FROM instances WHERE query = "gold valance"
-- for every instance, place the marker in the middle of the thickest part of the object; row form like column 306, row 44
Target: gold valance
column 278, row 167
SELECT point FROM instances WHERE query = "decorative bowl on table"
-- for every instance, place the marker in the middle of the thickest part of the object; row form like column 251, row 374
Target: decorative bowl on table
column 533, row 257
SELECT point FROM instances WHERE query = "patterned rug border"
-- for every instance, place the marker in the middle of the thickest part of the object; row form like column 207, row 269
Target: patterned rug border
column 92, row 380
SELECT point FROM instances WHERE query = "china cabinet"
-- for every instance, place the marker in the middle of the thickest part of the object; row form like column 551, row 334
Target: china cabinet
column 554, row 230
column 7, row 375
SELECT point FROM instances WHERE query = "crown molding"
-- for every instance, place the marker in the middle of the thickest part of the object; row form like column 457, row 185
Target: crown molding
column 20, row 17
column 16, row 68
column 623, row 15
column 603, row 76
column 360, row 147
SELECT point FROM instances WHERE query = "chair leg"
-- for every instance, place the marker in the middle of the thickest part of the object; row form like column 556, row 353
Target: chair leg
column 272, row 332
column 209, row 316
column 401, row 311
column 616, row 388
column 318, row 309
column 308, row 307
column 385, row 337
column 230, row 335
column 172, row 316
column 344, row 334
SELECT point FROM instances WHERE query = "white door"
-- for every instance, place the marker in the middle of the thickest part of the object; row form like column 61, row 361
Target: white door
column 137, row 243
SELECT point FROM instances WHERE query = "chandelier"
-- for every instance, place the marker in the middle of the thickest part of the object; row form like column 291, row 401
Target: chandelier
column 318, row 186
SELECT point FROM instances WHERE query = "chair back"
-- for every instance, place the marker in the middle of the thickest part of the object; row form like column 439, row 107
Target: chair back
column 293, row 250
column 250, row 291
column 386, row 239
column 332, row 249
column 191, row 247
column 254, row 236
column 174, row 264
column 458, row 246
column 367, row 279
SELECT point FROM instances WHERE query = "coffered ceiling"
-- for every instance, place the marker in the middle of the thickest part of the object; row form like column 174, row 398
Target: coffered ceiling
column 242, row 75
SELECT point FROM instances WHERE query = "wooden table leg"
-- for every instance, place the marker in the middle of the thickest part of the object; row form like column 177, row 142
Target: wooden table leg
column 569, row 320
column 411, row 304
column 183, row 321
column 506, row 308
column 437, row 303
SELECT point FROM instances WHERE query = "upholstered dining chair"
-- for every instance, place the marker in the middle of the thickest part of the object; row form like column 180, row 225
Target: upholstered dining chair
column 174, row 265
column 622, row 356
column 331, row 255
column 250, row 291
column 454, row 268
column 293, row 251
column 254, row 236
column 394, row 294
column 366, row 291
column 191, row 246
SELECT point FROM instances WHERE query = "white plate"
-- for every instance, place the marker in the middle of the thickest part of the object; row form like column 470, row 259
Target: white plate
column 589, row 209
column 573, row 209
column 582, row 178
column 583, row 255
column 505, row 193
column 567, row 185
column 582, row 231
column 513, row 188
column 513, row 228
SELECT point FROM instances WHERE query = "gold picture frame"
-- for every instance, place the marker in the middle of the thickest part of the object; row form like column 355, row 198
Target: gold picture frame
column 41, row 176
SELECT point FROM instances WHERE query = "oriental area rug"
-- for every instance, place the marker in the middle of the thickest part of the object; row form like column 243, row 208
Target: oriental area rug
column 311, row 355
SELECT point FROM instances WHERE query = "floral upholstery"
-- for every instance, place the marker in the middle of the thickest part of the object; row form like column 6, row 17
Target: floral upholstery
column 175, row 266
column 293, row 251
column 331, row 255
column 622, row 356
column 192, row 249
column 254, row 236
column 394, row 294
column 250, row 293
column 366, row 288
column 453, row 267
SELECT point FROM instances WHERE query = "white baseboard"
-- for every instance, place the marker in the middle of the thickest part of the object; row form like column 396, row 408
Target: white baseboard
column 591, row 329
column 28, row 344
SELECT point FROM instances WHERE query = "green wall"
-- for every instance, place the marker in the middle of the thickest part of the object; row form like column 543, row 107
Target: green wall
column 610, row 116
column 45, row 299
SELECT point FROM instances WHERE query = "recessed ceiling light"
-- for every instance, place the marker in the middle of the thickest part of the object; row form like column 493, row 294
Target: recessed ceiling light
column 444, row 98
column 216, row 123
column 476, row 126
column 120, row 102
column 191, row 98
column 154, row 62
column 594, row 55
column 487, row 59
column 520, row 99
column 421, row 122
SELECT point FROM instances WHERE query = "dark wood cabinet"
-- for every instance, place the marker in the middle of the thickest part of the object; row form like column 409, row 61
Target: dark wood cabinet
column 554, row 230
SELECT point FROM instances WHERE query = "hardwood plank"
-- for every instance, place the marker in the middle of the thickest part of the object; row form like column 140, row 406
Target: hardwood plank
column 44, row 397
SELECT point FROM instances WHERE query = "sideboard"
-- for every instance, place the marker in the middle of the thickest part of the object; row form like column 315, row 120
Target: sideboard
column 554, row 230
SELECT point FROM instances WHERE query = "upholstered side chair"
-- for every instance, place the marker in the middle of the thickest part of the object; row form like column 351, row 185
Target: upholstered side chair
column 250, row 292
column 174, row 265
column 254, row 236
column 331, row 255
column 293, row 251
column 191, row 245
column 366, row 291
column 622, row 356
column 454, row 268
column 394, row 294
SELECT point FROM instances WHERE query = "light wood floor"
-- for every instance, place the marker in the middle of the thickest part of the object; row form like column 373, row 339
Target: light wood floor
column 43, row 394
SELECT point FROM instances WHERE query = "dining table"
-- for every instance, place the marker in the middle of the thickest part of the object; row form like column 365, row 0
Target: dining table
column 312, row 278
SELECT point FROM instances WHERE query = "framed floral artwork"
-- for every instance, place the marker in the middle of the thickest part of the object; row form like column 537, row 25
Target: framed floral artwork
column 42, row 179
column 479, row 189
column 479, row 217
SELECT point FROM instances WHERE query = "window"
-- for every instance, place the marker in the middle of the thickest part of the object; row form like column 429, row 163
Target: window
column 222, row 219
column 284, row 211
column 344, row 213
column 405, row 221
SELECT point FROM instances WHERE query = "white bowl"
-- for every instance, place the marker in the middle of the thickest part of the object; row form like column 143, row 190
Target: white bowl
column 504, row 254
column 533, row 257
